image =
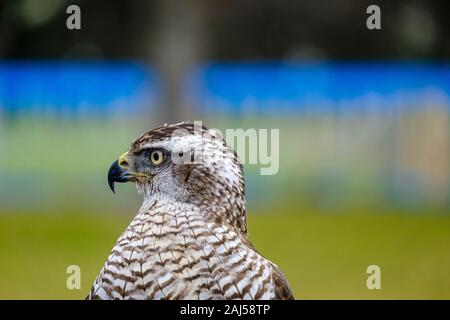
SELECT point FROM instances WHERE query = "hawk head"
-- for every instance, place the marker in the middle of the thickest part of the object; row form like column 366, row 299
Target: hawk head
column 185, row 163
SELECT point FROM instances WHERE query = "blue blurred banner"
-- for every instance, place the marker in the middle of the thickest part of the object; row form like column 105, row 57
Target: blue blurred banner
column 311, row 87
column 106, row 88
column 73, row 87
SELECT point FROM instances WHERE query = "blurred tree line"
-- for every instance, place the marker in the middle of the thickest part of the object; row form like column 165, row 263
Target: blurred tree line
column 225, row 30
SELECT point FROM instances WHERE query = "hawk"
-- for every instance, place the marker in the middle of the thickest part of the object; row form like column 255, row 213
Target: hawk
column 189, row 239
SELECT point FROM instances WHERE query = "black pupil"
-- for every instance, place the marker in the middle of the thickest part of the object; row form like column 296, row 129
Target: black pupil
column 155, row 156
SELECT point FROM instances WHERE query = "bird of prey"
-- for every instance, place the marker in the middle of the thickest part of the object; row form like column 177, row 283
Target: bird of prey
column 189, row 239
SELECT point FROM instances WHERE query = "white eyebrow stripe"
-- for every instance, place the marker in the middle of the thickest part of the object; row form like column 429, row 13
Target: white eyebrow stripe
column 175, row 143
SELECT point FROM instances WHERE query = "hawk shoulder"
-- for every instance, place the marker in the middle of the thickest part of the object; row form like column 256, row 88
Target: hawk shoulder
column 282, row 289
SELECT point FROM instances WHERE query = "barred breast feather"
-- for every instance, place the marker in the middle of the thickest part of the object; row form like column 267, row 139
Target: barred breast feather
column 172, row 252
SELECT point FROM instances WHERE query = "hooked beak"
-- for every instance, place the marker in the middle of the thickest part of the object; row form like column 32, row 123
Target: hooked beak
column 119, row 171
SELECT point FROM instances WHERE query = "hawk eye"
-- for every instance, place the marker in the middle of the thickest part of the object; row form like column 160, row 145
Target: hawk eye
column 156, row 157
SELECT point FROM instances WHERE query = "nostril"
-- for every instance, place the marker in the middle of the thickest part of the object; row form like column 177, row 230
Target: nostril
column 123, row 163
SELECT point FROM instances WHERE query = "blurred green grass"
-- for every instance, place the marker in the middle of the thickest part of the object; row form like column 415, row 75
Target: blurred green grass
column 324, row 256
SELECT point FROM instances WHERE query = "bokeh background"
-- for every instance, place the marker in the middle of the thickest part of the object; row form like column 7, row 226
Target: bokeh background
column 364, row 133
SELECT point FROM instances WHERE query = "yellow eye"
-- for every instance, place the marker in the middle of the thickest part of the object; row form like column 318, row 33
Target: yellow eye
column 156, row 157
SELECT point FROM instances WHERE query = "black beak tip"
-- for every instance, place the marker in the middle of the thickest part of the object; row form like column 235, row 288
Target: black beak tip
column 112, row 175
column 111, row 185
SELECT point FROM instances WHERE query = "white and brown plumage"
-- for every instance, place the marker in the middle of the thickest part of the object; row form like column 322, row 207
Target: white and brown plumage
column 189, row 239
